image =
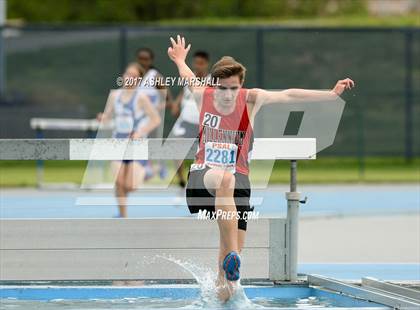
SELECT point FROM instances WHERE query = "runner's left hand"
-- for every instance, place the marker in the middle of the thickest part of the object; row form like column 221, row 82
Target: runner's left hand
column 178, row 52
column 342, row 85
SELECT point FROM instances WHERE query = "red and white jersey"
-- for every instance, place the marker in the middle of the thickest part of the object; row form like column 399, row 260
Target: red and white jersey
column 225, row 141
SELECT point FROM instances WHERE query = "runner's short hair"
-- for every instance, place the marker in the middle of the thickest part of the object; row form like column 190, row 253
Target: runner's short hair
column 202, row 54
column 226, row 67
column 147, row 50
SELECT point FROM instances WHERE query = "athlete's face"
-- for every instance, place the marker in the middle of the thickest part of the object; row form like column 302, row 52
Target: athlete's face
column 200, row 66
column 227, row 91
column 130, row 77
column 145, row 59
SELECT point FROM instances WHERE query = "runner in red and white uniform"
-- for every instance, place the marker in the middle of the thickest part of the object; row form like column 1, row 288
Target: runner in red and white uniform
column 224, row 140
column 218, row 179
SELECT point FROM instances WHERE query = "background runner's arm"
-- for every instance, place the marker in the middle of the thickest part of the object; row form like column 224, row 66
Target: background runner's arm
column 176, row 104
column 154, row 118
column 165, row 94
column 168, row 99
column 106, row 116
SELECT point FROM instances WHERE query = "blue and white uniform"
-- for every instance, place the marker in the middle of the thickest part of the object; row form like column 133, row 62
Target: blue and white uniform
column 127, row 117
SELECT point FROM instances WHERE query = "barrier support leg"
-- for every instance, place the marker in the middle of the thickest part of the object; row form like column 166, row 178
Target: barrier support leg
column 292, row 225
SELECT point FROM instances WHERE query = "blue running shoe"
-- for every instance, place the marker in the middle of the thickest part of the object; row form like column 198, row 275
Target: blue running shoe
column 231, row 265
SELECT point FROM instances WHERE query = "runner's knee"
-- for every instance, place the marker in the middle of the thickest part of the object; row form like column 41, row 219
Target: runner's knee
column 120, row 185
column 130, row 187
column 228, row 181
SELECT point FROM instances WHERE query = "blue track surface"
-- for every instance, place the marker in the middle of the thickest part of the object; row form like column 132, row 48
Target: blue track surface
column 323, row 201
column 338, row 201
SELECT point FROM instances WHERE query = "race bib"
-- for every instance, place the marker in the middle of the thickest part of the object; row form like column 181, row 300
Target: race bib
column 124, row 124
column 221, row 155
column 211, row 120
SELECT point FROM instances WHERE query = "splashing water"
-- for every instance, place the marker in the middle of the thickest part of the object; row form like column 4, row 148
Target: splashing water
column 208, row 299
column 206, row 279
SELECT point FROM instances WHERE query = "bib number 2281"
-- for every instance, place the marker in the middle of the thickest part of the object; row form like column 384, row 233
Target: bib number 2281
column 221, row 155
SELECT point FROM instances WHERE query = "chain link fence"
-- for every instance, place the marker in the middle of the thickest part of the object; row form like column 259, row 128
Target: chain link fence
column 68, row 72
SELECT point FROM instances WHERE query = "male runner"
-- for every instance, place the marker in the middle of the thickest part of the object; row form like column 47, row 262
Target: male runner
column 218, row 178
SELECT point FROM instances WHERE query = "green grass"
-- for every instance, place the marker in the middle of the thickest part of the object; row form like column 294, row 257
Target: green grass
column 347, row 170
column 321, row 21
column 323, row 170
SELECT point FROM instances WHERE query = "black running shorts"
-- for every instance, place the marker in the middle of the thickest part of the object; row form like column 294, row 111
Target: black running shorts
column 200, row 198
